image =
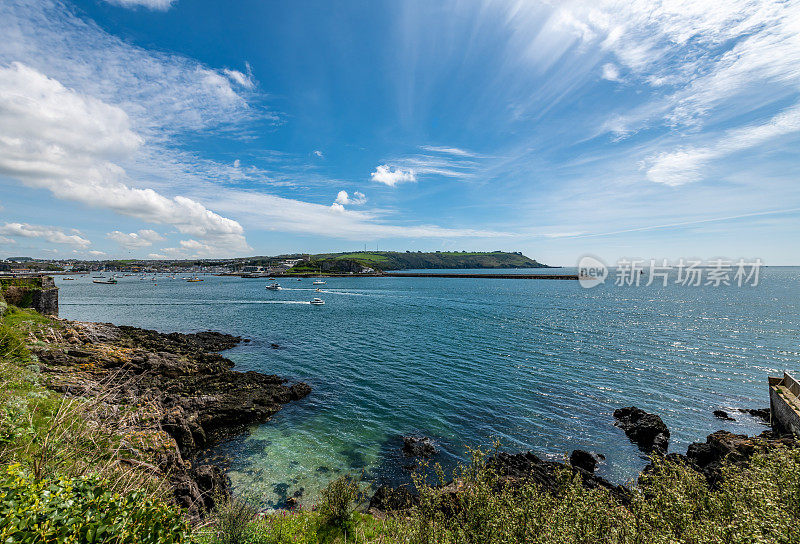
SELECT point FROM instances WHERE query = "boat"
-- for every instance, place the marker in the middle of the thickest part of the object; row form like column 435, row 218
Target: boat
column 112, row 281
column 69, row 279
column 194, row 279
column 274, row 286
column 318, row 290
column 298, row 279
column 318, row 282
column 271, row 279
column 317, row 302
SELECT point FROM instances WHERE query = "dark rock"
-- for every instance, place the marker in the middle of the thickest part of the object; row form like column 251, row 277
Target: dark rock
column 191, row 392
column 390, row 499
column 646, row 430
column 584, row 460
column 516, row 469
column 291, row 502
column 722, row 414
column 419, row 446
column 722, row 446
column 761, row 413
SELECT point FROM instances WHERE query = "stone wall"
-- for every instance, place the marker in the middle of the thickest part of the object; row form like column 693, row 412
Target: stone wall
column 784, row 404
column 37, row 292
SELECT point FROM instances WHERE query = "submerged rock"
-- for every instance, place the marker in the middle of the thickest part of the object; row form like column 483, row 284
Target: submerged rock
column 419, row 446
column 722, row 414
column 646, row 430
column 763, row 414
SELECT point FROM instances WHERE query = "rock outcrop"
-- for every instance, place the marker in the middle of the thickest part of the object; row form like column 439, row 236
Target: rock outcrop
column 585, row 460
column 185, row 390
column 737, row 449
column 419, row 446
column 646, row 430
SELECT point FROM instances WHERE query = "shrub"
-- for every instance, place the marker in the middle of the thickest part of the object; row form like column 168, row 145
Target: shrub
column 338, row 501
column 62, row 510
column 232, row 518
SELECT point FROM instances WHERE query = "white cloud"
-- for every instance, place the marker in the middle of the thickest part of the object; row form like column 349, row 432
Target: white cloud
column 56, row 139
column 135, row 240
column 96, row 252
column 384, row 174
column 687, row 165
column 162, row 94
column 448, row 150
column 236, row 163
column 319, row 154
column 157, row 5
column 357, row 199
column 243, row 80
column 51, row 234
column 610, row 72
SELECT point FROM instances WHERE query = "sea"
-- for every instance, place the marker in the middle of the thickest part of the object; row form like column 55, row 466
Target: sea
column 528, row 364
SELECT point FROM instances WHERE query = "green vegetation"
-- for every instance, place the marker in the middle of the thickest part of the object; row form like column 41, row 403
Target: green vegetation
column 672, row 504
column 82, row 509
column 394, row 260
column 69, row 472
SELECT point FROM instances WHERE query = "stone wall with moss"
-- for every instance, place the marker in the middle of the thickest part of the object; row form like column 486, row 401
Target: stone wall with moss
column 37, row 292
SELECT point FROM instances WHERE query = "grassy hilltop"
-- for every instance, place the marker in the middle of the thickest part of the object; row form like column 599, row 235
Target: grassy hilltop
column 408, row 260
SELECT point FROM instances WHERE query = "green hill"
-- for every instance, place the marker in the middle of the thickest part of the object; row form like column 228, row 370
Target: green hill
column 395, row 260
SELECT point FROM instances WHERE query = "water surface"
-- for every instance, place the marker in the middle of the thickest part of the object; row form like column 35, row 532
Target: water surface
column 537, row 364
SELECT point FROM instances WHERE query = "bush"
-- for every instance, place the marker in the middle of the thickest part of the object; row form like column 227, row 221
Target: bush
column 338, row 501
column 63, row 510
column 232, row 518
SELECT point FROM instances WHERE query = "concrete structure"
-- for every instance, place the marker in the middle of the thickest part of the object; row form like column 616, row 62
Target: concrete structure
column 784, row 403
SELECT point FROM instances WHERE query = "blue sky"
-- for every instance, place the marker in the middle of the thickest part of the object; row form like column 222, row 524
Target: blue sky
column 136, row 128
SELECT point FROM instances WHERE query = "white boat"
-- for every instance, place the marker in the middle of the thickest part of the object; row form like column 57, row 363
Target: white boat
column 317, row 302
column 318, row 282
column 112, row 281
column 274, row 287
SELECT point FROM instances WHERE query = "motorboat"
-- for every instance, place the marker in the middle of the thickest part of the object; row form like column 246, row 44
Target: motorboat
column 318, row 282
column 194, row 279
column 317, row 302
column 274, row 286
column 111, row 281
column 69, row 279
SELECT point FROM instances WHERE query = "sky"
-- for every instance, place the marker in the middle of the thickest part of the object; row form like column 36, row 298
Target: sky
column 199, row 128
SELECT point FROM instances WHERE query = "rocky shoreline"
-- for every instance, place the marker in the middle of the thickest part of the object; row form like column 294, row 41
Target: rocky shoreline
column 175, row 393
column 646, row 430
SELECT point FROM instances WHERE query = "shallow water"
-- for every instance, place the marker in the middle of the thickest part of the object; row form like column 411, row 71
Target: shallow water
column 537, row 364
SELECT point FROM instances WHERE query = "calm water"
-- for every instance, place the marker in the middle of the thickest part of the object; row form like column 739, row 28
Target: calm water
column 537, row 364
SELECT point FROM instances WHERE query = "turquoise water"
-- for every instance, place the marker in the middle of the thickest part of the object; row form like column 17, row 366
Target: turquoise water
column 537, row 364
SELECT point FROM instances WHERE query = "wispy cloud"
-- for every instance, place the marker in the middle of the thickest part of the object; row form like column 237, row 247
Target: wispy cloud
column 157, row 5
column 689, row 164
column 448, row 150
